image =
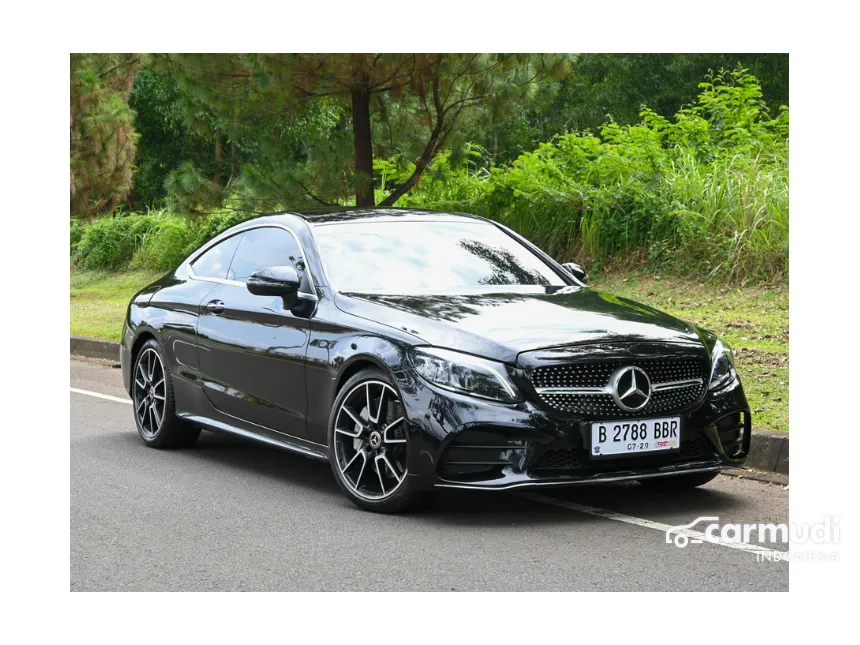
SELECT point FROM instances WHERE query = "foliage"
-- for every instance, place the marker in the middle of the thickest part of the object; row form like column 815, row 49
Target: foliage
column 102, row 138
column 165, row 245
column 76, row 230
column 168, row 139
column 110, row 242
column 155, row 241
column 304, row 115
column 706, row 192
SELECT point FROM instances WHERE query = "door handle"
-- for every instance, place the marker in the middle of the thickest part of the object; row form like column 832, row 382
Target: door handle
column 215, row 307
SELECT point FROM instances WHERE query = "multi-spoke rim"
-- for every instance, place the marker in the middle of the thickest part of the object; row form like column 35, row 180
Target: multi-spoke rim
column 370, row 440
column 150, row 392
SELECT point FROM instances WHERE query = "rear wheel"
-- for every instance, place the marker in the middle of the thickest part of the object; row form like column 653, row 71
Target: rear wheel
column 154, row 407
column 676, row 483
column 368, row 440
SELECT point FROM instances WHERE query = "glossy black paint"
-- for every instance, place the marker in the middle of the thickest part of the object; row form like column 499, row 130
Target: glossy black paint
column 269, row 366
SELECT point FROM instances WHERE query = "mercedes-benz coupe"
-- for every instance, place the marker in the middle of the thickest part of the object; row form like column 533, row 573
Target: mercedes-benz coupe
column 416, row 351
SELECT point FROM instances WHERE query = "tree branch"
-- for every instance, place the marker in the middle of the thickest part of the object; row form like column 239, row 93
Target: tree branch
column 426, row 157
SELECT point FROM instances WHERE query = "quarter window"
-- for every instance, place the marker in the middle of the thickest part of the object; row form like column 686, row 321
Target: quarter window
column 216, row 261
column 265, row 247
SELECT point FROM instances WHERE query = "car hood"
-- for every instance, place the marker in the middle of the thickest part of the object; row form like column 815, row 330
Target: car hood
column 502, row 325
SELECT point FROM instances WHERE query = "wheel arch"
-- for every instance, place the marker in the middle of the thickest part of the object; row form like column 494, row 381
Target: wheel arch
column 355, row 365
column 140, row 340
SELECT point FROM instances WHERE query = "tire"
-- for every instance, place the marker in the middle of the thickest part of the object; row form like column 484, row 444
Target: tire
column 355, row 454
column 153, row 401
column 677, row 483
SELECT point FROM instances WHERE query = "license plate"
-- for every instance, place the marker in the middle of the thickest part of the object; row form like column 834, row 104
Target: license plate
column 635, row 436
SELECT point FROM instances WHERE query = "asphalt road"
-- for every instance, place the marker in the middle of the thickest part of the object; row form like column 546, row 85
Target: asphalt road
column 231, row 515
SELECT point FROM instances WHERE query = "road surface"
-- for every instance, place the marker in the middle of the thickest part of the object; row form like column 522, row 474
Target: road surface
column 231, row 515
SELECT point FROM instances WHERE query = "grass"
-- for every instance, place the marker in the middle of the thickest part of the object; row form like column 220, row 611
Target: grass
column 753, row 319
column 99, row 301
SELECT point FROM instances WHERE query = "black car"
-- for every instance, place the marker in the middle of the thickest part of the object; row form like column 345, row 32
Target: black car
column 418, row 350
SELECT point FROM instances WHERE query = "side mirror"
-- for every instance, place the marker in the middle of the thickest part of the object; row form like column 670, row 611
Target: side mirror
column 280, row 281
column 576, row 271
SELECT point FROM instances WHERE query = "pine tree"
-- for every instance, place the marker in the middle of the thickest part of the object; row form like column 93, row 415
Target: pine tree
column 319, row 120
column 102, row 138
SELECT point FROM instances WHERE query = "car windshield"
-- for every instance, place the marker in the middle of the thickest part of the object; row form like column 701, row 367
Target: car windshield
column 398, row 257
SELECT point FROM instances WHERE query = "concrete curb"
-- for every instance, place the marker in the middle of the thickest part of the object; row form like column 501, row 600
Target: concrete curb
column 757, row 475
column 91, row 348
column 768, row 450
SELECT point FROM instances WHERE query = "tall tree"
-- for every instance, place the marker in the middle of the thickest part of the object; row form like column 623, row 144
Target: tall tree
column 405, row 106
column 101, row 133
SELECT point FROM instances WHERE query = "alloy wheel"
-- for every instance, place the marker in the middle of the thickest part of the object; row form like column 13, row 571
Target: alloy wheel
column 370, row 440
column 150, row 392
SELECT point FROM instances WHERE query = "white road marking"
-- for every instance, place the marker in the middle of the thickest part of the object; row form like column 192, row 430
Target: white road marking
column 99, row 395
column 649, row 524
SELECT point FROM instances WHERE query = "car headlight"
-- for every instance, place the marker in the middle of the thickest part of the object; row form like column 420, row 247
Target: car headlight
column 722, row 366
column 464, row 373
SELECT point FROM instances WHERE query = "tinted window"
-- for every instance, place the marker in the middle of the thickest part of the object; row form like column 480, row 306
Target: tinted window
column 216, row 261
column 265, row 247
column 427, row 256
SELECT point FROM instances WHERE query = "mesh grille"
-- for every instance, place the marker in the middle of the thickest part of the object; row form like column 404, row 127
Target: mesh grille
column 602, row 406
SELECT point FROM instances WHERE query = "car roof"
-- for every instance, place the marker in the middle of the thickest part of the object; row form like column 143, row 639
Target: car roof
column 341, row 214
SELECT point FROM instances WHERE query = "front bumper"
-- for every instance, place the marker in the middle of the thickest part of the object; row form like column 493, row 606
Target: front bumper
column 462, row 442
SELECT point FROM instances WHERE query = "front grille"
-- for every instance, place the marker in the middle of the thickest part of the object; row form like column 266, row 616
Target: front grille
column 597, row 375
column 694, row 447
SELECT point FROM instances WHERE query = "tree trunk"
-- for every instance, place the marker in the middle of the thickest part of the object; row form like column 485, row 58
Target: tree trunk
column 363, row 148
column 219, row 160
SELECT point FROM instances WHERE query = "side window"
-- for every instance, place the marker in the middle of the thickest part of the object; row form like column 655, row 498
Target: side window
column 265, row 247
column 216, row 261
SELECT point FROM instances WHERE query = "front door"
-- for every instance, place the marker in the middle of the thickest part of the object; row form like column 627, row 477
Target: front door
column 252, row 350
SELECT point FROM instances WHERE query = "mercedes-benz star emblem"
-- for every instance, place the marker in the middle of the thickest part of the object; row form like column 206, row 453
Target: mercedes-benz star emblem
column 631, row 388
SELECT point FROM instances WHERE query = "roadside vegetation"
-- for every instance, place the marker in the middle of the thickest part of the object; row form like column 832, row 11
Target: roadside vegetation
column 99, row 300
column 702, row 193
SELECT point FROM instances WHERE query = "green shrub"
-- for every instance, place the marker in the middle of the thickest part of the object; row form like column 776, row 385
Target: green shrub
column 110, row 242
column 156, row 241
column 76, row 230
column 706, row 193
column 165, row 245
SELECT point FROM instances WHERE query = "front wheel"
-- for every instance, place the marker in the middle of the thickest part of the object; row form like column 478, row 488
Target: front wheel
column 368, row 445
column 675, row 483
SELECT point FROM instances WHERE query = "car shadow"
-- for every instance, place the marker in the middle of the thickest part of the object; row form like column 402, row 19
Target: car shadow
column 455, row 507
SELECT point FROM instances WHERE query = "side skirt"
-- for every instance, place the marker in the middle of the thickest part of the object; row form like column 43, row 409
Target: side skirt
column 293, row 445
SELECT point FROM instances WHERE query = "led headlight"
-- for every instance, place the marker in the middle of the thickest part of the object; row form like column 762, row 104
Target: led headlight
column 464, row 373
column 722, row 365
